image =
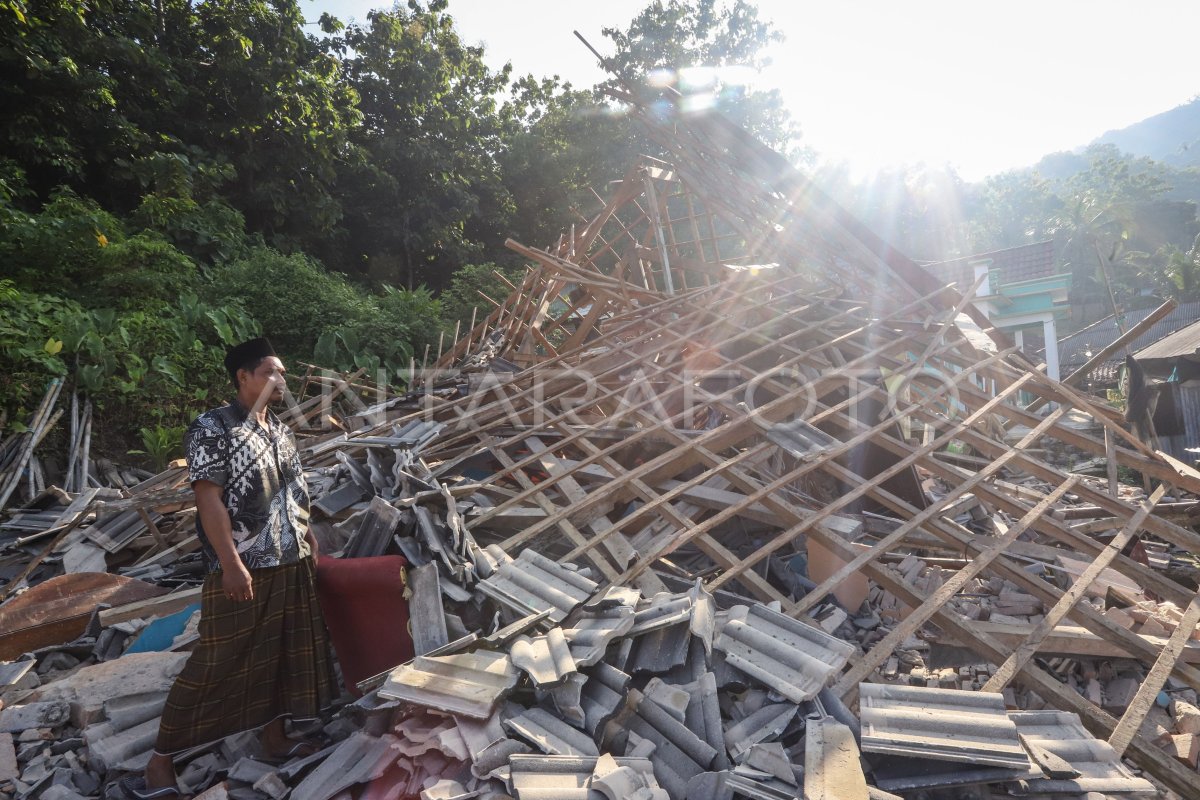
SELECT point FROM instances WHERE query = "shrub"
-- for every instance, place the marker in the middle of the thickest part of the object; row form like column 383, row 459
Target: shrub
column 462, row 295
column 143, row 271
column 392, row 327
column 135, row 365
column 293, row 297
column 59, row 248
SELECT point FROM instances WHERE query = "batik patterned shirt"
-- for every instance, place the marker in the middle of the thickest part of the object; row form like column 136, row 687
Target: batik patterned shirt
column 261, row 480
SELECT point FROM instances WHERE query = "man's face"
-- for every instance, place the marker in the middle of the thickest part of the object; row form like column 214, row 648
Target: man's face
column 266, row 381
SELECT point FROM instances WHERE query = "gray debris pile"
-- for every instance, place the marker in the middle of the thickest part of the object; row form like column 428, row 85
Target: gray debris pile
column 534, row 680
column 688, row 696
column 670, row 526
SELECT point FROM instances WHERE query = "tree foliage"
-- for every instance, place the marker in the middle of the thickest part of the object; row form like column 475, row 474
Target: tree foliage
column 709, row 52
column 176, row 175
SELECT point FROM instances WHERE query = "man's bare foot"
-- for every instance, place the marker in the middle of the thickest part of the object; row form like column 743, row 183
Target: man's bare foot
column 160, row 772
column 158, row 782
column 276, row 744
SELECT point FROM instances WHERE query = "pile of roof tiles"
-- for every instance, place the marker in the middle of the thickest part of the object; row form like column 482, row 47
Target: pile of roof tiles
column 682, row 695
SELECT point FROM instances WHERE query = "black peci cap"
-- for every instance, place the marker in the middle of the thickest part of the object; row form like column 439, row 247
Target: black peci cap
column 242, row 354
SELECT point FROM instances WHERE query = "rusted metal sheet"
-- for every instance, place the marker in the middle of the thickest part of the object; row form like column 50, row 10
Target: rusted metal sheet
column 792, row 658
column 57, row 611
column 940, row 724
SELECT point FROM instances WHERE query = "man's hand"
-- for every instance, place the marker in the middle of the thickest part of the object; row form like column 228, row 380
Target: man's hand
column 235, row 578
column 236, row 582
column 312, row 545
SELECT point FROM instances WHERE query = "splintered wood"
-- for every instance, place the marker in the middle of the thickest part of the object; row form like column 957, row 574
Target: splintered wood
column 721, row 374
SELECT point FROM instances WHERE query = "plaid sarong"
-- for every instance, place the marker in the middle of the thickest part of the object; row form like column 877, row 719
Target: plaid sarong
column 256, row 660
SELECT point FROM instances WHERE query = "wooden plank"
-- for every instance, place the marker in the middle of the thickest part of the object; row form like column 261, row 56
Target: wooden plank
column 1121, row 341
column 552, row 510
column 975, row 636
column 1008, row 670
column 946, row 592
column 810, row 519
column 1147, row 693
column 886, row 544
column 1110, row 464
column 617, row 547
column 35, row 429
column 1075, row 640
column 656, row 425
column 1141, row 647
column 155, row 607
column 18, row 581
column 687, row 454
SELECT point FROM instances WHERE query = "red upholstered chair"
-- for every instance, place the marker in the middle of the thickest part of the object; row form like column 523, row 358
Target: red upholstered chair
column 366, row 613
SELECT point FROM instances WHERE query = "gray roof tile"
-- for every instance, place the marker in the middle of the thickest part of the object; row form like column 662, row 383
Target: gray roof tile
column 1063, row 734
column 469, row 684
column 941, row 724
column 790, row 657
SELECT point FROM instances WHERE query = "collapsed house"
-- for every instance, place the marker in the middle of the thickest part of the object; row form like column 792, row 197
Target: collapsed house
column 719, row 502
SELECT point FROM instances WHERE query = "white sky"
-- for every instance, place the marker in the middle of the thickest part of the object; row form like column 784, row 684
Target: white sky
column 982, row 86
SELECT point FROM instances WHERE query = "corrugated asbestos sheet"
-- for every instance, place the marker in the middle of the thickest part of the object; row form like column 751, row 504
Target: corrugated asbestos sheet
column 11, row 672
column 662, row 611
column 765, row 724
column 792, row 658
column 1063, row 735
column 659, row 650
column 602, row 697
column 831, row 762
column 469, row 684
column 942, row 724
column 531, row 582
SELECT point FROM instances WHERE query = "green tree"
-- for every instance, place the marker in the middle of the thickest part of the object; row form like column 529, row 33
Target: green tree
column 708, row 51
column 265, row 97
column 425, row 192
column 1169, row 271
column 104, row 91
column 292, row 296
column 1013, row 208
column 560, row 143
column 1098, row 218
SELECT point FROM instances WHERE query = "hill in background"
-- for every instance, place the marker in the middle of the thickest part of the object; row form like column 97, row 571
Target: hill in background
column 1172, row 137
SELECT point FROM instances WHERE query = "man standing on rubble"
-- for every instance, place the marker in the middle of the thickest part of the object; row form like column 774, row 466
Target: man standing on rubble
column 263, row 653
